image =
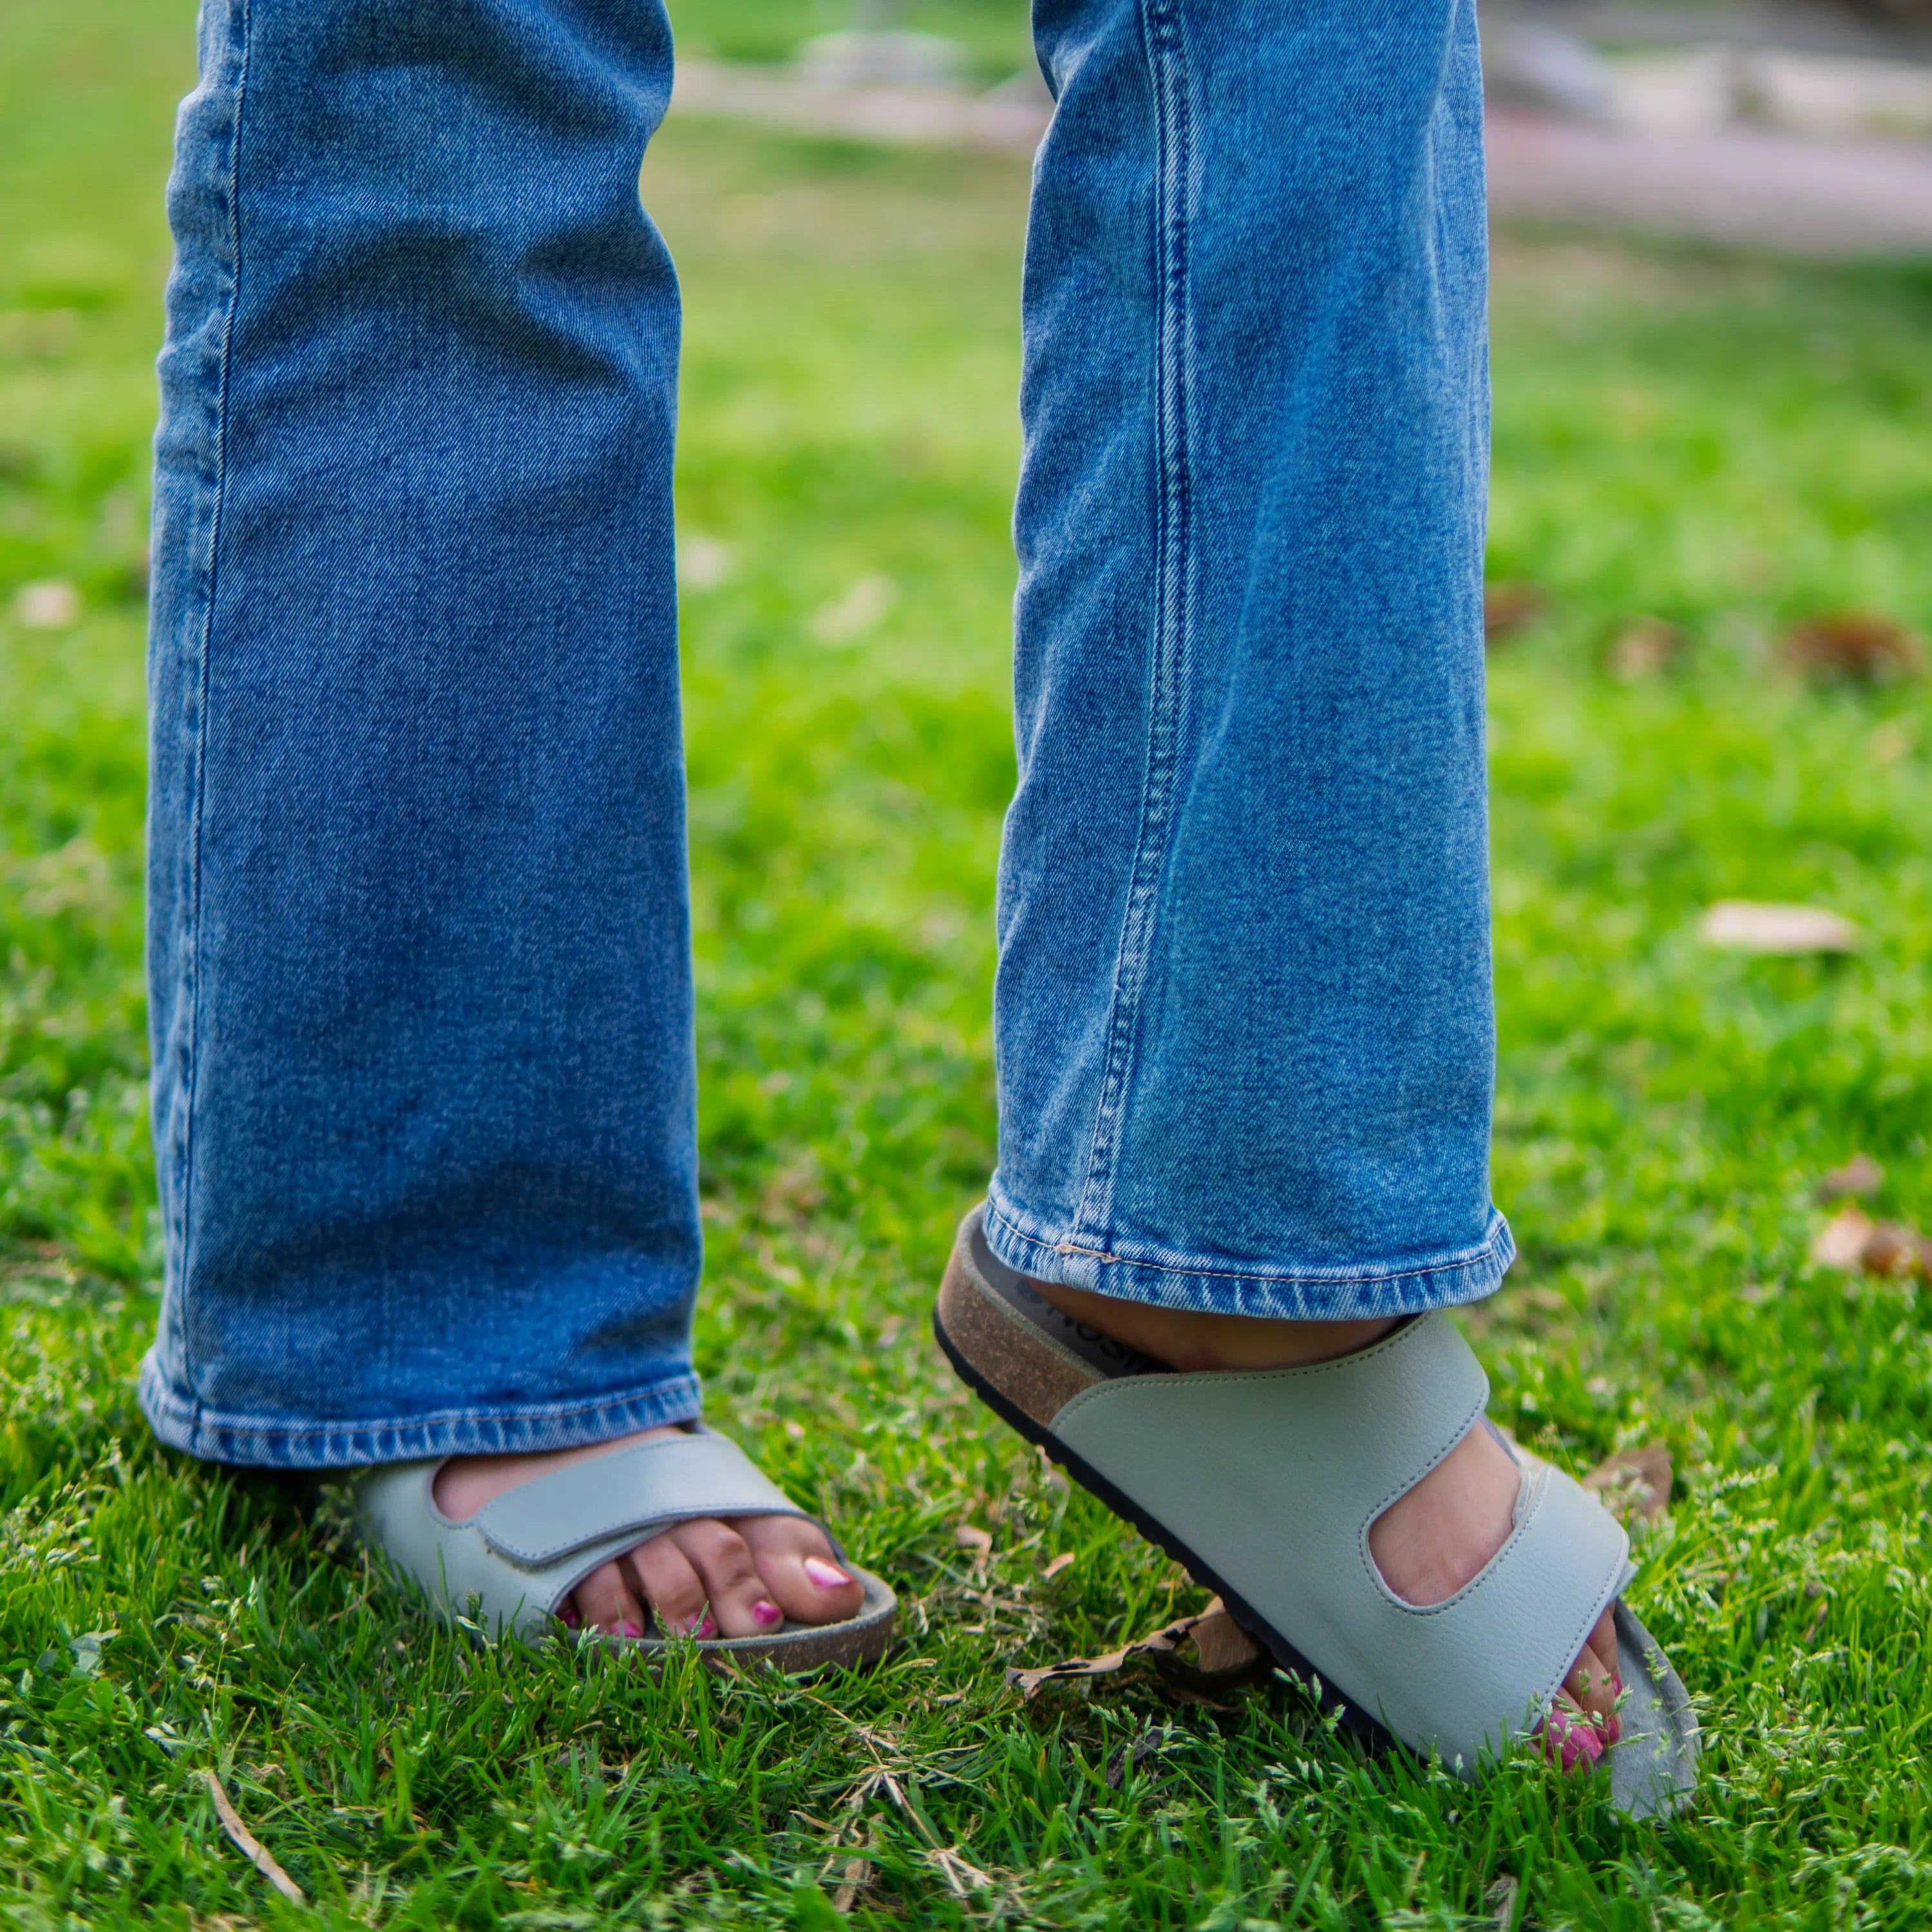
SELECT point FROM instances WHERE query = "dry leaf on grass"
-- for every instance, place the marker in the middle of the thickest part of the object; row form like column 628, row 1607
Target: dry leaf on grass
column 250, row 1847
column 1507, row 607
column 1859, row 1175
column 970, row 1536
column 1064, row 1560
column 1643, row 648
column 51, row 604
column 858, row 1874
column 1224, row 1650
column 1840, row 1242
column 1634, row 1484
column 1896, row 1250
column 1748, row 925
column 848, row 618
column 1851, row 1239
column 1891, row 741
column 1856, row 644
column 702, row 562
column 1223, row 1654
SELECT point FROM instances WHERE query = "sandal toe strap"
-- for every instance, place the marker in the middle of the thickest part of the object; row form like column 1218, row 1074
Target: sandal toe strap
column 1467, row 1676
column 627, row 1497
column 1270, row 1481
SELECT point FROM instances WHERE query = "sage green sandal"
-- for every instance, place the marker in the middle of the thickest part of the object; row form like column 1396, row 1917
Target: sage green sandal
column 508, row 1567
column 1265, row 1483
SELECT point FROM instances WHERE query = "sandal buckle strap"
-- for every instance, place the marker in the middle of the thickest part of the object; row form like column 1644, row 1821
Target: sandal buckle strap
column 1275, row 1478
column 632, row 1493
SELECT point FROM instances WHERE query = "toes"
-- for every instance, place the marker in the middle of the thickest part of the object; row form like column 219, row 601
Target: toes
column 1593, row 1682
column 604, row 1599
column 740, row 1579
column 739, row 1600
column 667, row 1581
column 810, row 1584
column 1570, row 1738
column 1583, row 1722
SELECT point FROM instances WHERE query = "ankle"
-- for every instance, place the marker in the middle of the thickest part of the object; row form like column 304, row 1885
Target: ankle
column 1193, row 1342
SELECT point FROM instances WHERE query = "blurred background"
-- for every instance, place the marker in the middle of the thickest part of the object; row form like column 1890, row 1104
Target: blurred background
column 1711, row 565
column 1802, row 124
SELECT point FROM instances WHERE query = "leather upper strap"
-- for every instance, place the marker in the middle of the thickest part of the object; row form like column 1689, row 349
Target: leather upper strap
column 1273, row 1480
column 632, row 1493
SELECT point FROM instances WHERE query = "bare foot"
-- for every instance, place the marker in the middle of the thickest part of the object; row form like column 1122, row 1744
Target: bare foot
column 740, row 1577
column 1429, row 1541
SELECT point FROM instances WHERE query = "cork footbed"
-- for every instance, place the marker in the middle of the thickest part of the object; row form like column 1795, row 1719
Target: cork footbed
column 1002, row 1346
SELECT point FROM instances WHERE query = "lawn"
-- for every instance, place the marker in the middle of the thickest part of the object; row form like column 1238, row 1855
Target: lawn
column 1723, row 446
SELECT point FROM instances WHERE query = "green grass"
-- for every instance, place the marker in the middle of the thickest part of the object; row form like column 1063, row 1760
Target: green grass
column 1724, row 445
column 992, row 35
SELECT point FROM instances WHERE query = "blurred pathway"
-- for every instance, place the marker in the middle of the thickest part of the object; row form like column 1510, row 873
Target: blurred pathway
column 907, row 117
column 1735, row 185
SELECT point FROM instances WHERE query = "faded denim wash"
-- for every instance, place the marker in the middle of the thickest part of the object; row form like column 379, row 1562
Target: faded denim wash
column 1243, row 1016
column 418, row 929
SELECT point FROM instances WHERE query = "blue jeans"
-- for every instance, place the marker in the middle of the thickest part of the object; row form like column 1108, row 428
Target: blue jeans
column 419, row 944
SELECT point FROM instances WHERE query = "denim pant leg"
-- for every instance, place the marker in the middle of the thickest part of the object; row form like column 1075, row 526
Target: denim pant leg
column 1243, row 1016
column 419, row 946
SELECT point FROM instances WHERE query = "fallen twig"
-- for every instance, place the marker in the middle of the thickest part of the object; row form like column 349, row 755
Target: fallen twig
column 251, row 1847
column 1224, row 1654
column 962, row 1878
column 856, row 1875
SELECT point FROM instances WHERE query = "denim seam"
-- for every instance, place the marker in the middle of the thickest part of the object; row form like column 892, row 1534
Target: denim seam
column 190, row 1070
column 561, row 1411
column 1165, row 53
column 1464, row 1259
column 186, row 1425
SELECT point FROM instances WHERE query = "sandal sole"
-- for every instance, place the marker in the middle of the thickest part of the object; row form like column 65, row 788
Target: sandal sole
column 799, row 1649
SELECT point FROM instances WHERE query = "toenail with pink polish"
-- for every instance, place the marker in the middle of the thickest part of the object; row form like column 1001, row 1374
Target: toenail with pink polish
column 826, row 1575
column 764, row 1614
column 628, row 1628
column 706, row 1626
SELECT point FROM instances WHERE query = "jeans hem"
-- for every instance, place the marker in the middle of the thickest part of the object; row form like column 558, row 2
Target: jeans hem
column 1211, row 1284
column 510, row 1429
